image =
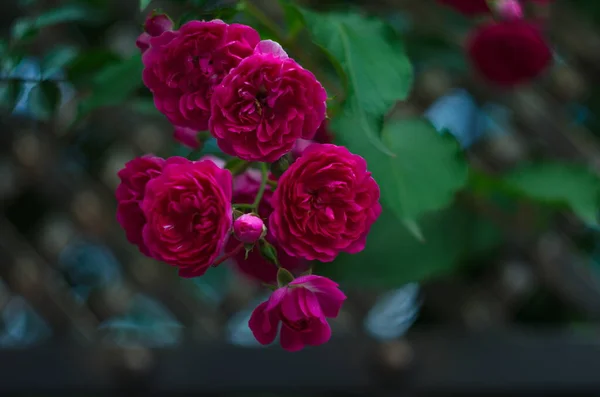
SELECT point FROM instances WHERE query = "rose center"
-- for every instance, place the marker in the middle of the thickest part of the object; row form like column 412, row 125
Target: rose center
column 299, row 325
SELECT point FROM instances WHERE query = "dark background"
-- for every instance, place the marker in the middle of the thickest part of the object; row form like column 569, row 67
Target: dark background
column 82, row 312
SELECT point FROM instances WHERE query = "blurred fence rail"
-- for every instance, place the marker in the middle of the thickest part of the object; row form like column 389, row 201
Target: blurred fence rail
column 440, row 363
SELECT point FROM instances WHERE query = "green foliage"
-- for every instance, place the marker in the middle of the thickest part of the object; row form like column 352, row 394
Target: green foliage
column 426, row 171
column 393, row 257
column 417, row 168
column 57, row 59
column 10, row 90
column 144, row 4
column 113, row 84
column 562, row 184
column 44, row 99
column 375, row 66
column 25, row 28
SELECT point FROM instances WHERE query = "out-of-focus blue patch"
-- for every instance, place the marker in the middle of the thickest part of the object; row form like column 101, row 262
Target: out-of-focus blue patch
column 394, row 313
column 581, row 114
column 212, row 286
column 29, row 69
column 88, row 266
column 458, row 114
column 148, row 323
column 23, row 327
column 238, row 332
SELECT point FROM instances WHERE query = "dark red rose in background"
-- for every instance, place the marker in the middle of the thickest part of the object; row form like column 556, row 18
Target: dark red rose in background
column 509, row 53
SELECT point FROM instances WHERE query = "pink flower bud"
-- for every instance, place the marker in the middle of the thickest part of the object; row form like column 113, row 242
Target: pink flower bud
column 509, row 10
column 249, row 228
column 156, row 24
column 143, row 42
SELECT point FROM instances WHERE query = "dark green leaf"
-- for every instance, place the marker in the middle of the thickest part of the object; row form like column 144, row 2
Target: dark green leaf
column 114, row 84
column 375, row 64
column 56, row 60
column 426, row 171
column 25, row 27
column 88, row 63
column 144, row 4
column 293, row 18
column 268, row 252
column 393, row 257
column 44, row 99
column 565, row 184
column 284, row 277
column 10, row 90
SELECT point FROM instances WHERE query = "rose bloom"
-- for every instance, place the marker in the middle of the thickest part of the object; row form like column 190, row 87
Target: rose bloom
column 468, row 7
column 325, row 203
column 509, row 53
column 182, row 67
column 256, row 267
column 134, row 177
column 188, row 215
column 265, row 104
column 302, row 307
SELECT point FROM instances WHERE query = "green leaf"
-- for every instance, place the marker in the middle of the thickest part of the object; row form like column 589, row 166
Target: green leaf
column 570, row 185
column 88, row 63
column 375, row 64
column 114, row 84
column 268, row 251
column 10, row 90
column 44, row 99
column 393, row 257
column 428, row 169
column 284, row 277
column 56, row 60
column 293, row 18
column 144, row 4
column 24, row 28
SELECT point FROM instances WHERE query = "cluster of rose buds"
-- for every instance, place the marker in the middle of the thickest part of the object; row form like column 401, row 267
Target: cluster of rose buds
column 267, row 112
column 509, row 50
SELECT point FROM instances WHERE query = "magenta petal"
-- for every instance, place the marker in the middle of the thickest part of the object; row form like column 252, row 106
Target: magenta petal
column 263, row 324
column 290, row 307
column 291, row 340
column 271, row 47
column 319, row 333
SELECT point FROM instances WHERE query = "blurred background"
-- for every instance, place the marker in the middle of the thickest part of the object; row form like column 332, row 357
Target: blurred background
column 82, row 311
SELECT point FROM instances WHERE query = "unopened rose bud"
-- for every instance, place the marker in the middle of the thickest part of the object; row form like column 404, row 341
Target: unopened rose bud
column 143, row 42
column 249, row 228
column 509, row 10
column 156, row 24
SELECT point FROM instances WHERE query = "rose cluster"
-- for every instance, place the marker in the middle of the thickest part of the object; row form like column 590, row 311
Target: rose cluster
column 508, row 50
column 266, row 112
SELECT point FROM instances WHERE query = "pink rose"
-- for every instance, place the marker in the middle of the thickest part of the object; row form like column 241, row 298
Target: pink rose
column 323, row 135
column 143, row 42
column 189, row 215
column 256, row 267
column 187, row 137
column 130, row 193
column 264, row 105
column 157, row 23
column 181, row 67
column 468, row 7
column 325, row 203
column 302, row 307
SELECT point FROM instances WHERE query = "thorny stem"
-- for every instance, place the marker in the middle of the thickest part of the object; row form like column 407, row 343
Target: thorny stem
column 229, row 254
